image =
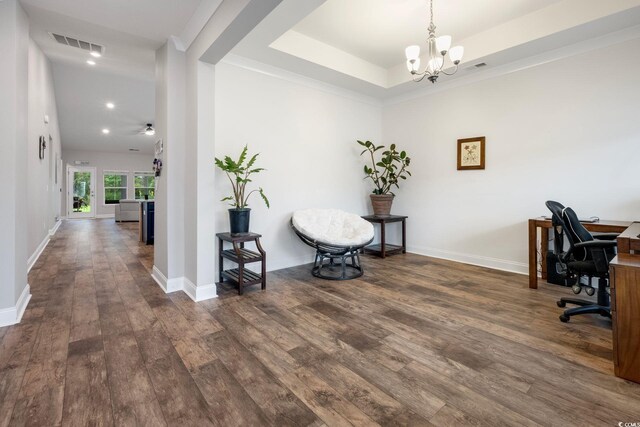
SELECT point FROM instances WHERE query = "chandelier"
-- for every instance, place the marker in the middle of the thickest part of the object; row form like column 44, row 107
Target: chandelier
column 438, row 49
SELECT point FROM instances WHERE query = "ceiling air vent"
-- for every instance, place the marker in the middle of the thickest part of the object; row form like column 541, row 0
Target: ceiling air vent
column 134, row 149
column 476, row 66
column 80, row 44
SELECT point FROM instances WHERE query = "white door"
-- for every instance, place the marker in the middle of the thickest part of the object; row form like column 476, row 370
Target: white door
column 81, row 192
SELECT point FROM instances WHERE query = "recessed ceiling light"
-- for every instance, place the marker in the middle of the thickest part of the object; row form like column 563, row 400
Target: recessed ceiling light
column 105, row 131
column 95, row 54
column 111, row 105
column 90, row 62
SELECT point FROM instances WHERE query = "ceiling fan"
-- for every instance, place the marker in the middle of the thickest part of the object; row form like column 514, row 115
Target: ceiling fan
column 148, row 130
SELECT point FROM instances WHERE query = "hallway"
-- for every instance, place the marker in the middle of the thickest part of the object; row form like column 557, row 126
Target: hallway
column 425, row 342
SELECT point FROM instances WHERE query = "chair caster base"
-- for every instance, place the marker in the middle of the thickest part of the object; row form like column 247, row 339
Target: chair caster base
column 604, row 311
column 561, row 304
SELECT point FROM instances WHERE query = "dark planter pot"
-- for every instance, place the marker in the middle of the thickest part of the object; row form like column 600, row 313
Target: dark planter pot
column 239, row 220
column 381, row 204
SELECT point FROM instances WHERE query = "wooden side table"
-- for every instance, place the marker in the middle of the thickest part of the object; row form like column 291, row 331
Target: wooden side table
column 383, row 248
column 241, row 256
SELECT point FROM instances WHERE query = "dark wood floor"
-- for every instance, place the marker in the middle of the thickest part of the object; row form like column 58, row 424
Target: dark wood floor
column 416, row 341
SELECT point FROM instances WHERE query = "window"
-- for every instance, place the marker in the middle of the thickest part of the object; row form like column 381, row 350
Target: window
column 144, row 184
column 115, row 186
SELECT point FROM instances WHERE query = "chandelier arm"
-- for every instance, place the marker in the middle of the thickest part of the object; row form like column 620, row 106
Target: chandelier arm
column 451, row 73
column 423, row 73
column 421, row 78
column 441, row 68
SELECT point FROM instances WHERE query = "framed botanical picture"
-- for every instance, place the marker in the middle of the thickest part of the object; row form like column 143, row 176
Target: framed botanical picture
column 41, row 147
column 471, row 153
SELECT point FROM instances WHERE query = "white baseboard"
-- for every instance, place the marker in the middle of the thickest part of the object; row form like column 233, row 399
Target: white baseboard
column 55, row 228
column 100, row 216
column 13, row 315
column 34, row 256
column 21, row 305
column 160, row 278
column 481, row 261
column 175, row 284
column 199, row 293
column 196, row 293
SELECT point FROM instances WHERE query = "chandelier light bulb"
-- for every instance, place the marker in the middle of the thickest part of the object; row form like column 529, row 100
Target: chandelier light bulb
column 412, row 52
column 443, row 43
column 416, row 64
column 456, row 53
column 435, row 64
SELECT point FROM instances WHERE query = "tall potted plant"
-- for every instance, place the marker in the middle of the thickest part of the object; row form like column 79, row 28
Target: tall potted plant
column 239, row 174
column 385, row 173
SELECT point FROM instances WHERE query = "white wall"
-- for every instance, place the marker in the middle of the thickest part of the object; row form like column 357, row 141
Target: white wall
column 306, row 137
column 566, row 130
column 170, row 200
column 43, row 187
column 186, row 245
column 14, row 51
column 131, row 162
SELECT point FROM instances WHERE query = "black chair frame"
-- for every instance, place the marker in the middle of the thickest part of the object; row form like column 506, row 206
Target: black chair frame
column 327, row 254
column 588, row 258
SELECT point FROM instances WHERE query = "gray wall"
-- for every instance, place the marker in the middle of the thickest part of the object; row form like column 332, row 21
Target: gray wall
column 170, row 201
column 43, row 187
column 14, row 51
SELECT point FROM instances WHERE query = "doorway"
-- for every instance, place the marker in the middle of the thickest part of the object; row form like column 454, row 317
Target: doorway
column 81, row 192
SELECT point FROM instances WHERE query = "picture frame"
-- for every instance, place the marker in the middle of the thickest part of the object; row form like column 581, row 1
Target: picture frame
column 41, row 147
column 471, row 153
column 159, row 147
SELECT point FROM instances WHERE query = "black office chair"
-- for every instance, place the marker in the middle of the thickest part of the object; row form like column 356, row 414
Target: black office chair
column 588, row 255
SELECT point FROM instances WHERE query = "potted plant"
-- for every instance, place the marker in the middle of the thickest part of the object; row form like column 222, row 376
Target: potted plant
column 239, row 174
column 385, row 173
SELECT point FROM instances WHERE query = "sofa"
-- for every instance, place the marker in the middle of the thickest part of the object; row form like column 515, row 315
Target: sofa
column 127, row 210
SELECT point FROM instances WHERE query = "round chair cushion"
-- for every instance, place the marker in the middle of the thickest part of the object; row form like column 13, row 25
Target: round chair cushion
column 333, row 226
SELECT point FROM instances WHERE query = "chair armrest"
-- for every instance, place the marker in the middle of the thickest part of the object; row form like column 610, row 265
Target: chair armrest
column 605, row 236
column 597, row 244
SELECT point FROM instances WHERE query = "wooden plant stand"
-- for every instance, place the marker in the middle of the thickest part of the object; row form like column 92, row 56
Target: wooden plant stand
column 383, row 248
column 240, row 276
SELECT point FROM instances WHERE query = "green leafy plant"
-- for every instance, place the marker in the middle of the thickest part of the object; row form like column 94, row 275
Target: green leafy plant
column 386, row 171
column 239, row 174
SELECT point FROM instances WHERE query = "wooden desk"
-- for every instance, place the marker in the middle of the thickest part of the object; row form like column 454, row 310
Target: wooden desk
column 602, row 226
column 625, row 304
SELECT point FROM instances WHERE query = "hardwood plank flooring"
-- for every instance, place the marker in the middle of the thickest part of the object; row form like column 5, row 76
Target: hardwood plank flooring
column 415, row 341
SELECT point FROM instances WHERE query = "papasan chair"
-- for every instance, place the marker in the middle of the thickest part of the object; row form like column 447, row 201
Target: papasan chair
column 337, row 237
